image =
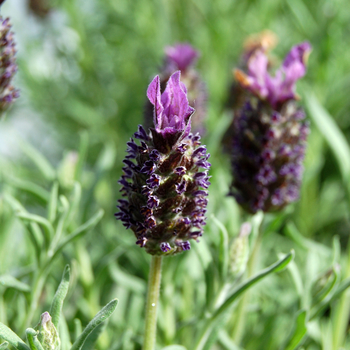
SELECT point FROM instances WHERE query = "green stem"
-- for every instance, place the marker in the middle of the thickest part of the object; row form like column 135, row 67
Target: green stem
column 341, row 315
column 242, row 305
column 152, row 303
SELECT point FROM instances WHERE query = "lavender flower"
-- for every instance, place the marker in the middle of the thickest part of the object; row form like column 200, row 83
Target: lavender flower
column 183, row 57
column 269, row 134
column 164, row 188
column 8, row 66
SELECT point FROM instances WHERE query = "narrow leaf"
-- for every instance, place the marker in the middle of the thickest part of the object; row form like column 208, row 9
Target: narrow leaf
column 298, row 333
column 52, row 208
column 277, row 266
column 80, row 231
column 58, row 299
column 174, row 347
column 223, row 248
column 210, row 325
column 332, row 134
column 97, row 320
column 38, row 159
column 11, row 282
column 29, row 187
column 33, row 340
column 4, row 345
column 8, row 335
column 44, row 223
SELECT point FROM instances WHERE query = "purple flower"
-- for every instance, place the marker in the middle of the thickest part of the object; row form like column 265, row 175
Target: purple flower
column 181, row 56
column 280, row 87
column 171, row 108
column 268, row 134
column 163, row 185
column 8, row 66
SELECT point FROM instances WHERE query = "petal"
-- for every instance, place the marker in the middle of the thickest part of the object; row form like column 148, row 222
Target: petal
column 153, row 94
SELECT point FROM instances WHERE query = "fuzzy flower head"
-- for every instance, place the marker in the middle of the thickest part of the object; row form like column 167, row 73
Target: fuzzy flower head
column 269, row 133
column 280, row 87
column 163, row 185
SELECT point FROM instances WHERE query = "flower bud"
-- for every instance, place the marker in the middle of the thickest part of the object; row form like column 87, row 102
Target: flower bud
column 269, row 134
column 183, row 57
column 239, row 251
column 8, row 66
column 48, row 335
column 163, row 185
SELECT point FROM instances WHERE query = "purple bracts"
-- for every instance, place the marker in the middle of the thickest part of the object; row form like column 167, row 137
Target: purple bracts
column 269, row 134
column 281, row 87
column 182, row 57
column 8, row 66
column 163, row 185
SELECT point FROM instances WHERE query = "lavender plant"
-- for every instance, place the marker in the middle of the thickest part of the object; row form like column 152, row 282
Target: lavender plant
column 164, row 187
column 269, row 137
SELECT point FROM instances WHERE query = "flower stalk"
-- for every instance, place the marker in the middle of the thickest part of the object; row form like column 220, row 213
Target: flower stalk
column 152, row 303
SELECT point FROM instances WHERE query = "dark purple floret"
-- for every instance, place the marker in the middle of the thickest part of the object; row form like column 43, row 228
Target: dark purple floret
column 163, row 181
column 8, row 66
column 269, row 133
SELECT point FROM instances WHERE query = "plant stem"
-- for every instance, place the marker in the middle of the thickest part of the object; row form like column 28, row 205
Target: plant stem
column 341, row 314
column 152, row 303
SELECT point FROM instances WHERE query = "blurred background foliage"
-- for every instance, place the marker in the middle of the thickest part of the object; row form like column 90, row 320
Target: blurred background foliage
column 84, row 67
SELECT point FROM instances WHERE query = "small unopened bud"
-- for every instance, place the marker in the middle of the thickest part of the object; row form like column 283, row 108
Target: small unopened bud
column 324, row 283
column 48, row 335
column 239, row 251
column 67, row 168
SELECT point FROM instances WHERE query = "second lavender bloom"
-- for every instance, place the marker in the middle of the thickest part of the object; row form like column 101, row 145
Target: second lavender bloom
column 269, row 134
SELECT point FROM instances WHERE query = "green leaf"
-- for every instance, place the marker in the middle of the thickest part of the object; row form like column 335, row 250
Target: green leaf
column 174, row 347
column 208, row 328
column 58, row 299
column 83, row 148
column 29, row 187
column 8, row 335
column 52, row 207
column 96, row 321
column 44, row 223
column 223, row 248
column 332, row 134
column 61, row 223
column 11, row 282
column 4, row 345
column 345, row 284
column 38, row 159
column 80, row 231
column 33, row 340
column 298, row 333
